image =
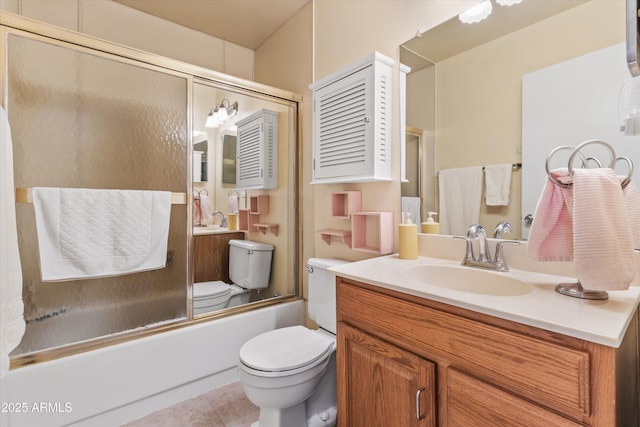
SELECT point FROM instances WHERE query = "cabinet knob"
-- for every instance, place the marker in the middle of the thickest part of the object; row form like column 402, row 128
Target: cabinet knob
column 419, row 414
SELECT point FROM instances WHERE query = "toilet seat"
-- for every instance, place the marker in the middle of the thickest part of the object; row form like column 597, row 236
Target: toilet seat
column 203, row 291
column 286, row 349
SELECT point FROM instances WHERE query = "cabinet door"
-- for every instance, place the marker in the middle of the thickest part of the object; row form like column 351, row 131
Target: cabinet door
column 343, row 127
column 211, row 256
column 382, row 385
column 250, row 150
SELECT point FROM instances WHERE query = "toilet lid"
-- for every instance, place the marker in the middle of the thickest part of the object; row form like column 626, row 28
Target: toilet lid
column 285, row 349
column 205, row 290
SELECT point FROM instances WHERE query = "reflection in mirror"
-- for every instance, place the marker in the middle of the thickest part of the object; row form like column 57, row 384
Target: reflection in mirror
column 235, row 223
column 475, row 98
column 200, row 154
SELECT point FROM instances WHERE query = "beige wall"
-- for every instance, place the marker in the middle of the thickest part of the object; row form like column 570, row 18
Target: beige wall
column 344, row 32
column 138, row 30
column 479, row 110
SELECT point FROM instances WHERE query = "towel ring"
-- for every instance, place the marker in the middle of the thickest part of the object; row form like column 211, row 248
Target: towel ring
column 627, row 180
column 550, row 155
column 612, row 154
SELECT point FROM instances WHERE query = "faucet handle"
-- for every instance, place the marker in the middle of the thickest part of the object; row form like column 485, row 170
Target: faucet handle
column 498, row 259
column 469, row 255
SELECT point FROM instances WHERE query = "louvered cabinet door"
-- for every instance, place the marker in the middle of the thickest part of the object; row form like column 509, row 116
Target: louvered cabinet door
column 257, row 155
column 344, row 126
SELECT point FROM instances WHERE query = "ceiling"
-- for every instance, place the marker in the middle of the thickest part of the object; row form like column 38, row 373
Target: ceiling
column 247, row 23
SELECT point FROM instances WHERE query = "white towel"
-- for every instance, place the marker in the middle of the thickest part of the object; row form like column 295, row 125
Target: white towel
column 460, row 198
column 498, row 184
column 412, row 206
column 233, row 204
column 602, row 239
column 86, row 233
column 205, row 207
column 12, row 325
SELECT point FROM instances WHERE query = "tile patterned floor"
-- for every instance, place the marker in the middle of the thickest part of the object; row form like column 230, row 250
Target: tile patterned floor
column 224, row 407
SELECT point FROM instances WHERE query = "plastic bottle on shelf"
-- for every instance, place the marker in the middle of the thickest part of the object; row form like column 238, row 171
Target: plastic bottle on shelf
column 430, row 226
column 408, row 238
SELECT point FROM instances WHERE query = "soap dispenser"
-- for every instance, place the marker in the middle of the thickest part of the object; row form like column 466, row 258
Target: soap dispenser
column 430, row 226
column 408, row 238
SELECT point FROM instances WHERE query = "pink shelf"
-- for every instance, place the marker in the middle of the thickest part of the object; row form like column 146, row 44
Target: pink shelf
column 372, row 232
column 267, row 226
column 328, row 234
column 247, row 220
column 259, row 204
column 344, row 203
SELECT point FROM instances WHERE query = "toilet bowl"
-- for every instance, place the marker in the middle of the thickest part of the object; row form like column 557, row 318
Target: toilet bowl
column 216, row 295
column 281, row 369
column 290, row 372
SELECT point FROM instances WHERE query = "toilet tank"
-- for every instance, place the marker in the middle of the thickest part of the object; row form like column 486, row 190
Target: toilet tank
column 322, row 292
column 250, row 263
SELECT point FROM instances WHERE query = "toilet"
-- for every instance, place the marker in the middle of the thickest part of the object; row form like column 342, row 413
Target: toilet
column 290, row 373
column 249, row 268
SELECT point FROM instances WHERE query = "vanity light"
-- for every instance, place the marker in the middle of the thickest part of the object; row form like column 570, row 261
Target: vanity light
column 477, row 13
column 508, row 2
column 224, row 111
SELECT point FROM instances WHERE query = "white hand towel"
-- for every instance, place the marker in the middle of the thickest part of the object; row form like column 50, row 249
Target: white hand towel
column 412, row 206
column 233, row 204
column 205, row 207
column 498, row 184
column 460, row 199
column 86, row 233
column 12, row 325
column 602, row 239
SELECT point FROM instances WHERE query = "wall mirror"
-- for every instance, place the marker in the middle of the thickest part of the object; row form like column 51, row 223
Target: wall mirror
column 465, row 89
column 227, row 213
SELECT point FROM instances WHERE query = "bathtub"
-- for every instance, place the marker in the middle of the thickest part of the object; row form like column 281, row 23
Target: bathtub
column 116, row 384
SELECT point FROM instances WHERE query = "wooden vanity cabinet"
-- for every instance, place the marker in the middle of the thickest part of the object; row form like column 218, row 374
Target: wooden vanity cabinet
column 211, row 256
column 476, row 370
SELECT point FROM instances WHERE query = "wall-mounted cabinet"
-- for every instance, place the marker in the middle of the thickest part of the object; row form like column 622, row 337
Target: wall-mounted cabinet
column 352, row 123
column 257, row 151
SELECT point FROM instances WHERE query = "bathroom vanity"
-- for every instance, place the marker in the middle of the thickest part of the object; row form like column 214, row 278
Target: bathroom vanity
column 415, row 354
column 211, row 254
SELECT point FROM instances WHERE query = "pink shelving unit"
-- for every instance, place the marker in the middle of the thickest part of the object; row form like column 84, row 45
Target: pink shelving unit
column 344, row 203
column 372, row 232
column 249, row 219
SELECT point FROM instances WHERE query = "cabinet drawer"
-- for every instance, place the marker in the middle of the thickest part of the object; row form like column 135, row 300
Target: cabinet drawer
column 471, row 402
column 552, row 375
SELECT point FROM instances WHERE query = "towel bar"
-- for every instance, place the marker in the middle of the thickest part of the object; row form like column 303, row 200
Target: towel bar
column 23, row 195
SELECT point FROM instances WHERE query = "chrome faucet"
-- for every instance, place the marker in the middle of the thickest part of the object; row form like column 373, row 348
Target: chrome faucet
column 223, row 219
column 502, row 228
column 498, row 263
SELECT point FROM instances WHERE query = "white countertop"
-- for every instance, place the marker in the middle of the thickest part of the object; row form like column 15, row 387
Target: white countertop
column 603, row 322
column 211, row 229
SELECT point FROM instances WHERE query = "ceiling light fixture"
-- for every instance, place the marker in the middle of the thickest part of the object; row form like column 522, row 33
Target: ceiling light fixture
column 508, row 2
column 477, row 13
column 223, row 111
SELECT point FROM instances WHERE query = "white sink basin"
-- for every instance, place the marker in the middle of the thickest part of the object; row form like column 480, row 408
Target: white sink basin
column 469, row 279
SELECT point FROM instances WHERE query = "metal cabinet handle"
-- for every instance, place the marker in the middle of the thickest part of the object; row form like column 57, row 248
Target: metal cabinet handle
column 419, row 414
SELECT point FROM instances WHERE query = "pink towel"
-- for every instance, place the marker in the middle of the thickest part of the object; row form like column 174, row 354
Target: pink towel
column 551, row 234
column 603, row 247
column 632, row 199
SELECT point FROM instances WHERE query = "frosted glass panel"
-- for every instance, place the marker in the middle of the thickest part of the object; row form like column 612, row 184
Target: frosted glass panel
column 86, row 121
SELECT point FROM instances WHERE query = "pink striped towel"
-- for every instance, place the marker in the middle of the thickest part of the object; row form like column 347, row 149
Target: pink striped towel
column 602, row 239
column 551, row 234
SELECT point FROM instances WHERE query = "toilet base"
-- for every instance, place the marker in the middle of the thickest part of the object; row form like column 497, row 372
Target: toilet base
column 292, row 416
